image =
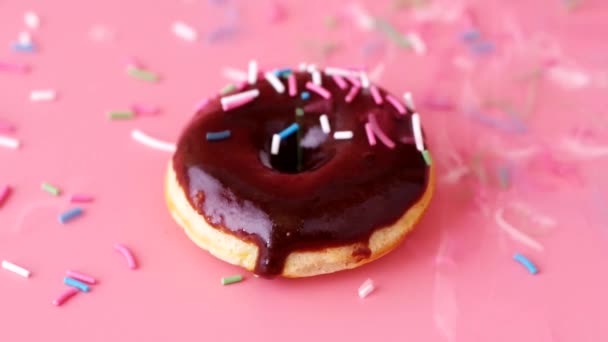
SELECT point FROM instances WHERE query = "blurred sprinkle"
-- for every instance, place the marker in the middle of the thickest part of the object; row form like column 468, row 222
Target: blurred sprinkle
column 532, row 269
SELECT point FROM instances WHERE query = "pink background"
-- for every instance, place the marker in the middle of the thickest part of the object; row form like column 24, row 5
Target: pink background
column 452, row 280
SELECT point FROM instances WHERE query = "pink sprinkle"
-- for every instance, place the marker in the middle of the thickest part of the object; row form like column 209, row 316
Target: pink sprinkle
column 81, row 198
column 354, row 81
column 69, row 293
column 145, row 110
column 6, row 127
column 242, row 85
column 277, row 13
column 14, row 67
column 352, row 94
column 127, row 254
column 202, row 104
column 376, row 95
column 373, row 123
column 237, row 104
column 340, row 82
column 324, row 93
column 371, row 138
column 5, row 191
column 398, row 106
column 293, row 86
column 82, row 277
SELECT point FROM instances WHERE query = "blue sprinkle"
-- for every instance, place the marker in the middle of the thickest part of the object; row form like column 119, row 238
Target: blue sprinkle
column 23, row 47
column 305, row 95
column 289, row 130
column 526, row 262
column 483, row 48
column 77, row 284
column 69, row 215
column 470, row 35
column 213, row 136
column 282, row 72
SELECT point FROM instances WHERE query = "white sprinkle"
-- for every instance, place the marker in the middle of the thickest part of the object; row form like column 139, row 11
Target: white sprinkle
column 325, row 124
column 313, row 138
column 417, row 43
column 145, row 139
column 234, row 75
column 184, row 31
column 343, row 135
column 253, row 72
column 316, row 78
column 409, row 101
column 330, row 71
column 228, row 100
column 9, row 142
column 366, row 288
column 31, row 20
column 311, row 68
column 25, row 38
column 417, row 132
column 302, row 67
column 16, row 269
column 276, row 143
column 42, row 95
column 275, row 82
column 364, row 80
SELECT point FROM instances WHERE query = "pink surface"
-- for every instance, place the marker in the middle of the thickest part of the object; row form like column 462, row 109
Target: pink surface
column 454, row 278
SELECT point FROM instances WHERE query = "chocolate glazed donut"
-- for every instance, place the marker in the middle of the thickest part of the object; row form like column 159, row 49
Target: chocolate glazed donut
column 318, row 190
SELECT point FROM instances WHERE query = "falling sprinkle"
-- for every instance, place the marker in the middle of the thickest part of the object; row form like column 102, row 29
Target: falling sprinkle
column 366, row 288
column 470, row 35
column 532, row 269
column 70, row 215
column 23, row 47
column 417, row 43
column 216, row 136
column 9, row 142
column 154, row 143
column 221, row 33
column 143, row 110
column 51, row 189
column 235, row 75
column 143, row 75
column 392, row 33
column 121, row 115
column 184, row 31
column 43, row 95
column 483, row 48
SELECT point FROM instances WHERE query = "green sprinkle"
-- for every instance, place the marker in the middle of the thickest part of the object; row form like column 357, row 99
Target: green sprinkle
column 143, row 75
column 299, row 111
column 121, row 115
column 232, row 279
column 53, row 190
column 392, row 33
column 427, row 157
column 504, row 174
column 228, row 89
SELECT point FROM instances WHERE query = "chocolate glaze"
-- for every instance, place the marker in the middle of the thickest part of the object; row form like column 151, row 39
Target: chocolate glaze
column 344, row 191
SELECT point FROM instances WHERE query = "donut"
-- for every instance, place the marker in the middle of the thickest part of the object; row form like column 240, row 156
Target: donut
column 297, row 173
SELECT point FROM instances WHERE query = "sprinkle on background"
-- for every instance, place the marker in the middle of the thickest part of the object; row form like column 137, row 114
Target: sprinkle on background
column 532, row 269
column 69, row 215
column 65, row 296
column 51, row 189
column 366, row 288
column 126, row 253
column 121, row 115
column 154, row 143
column 43, row 95
column 8, row 142
column 184, row 31
column 232, row 279
column 5, row 192
column 82, row 287
column 9, row 266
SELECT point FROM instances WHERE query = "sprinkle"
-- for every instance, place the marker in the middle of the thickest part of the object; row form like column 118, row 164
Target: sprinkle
column 366, row 288
column 376, row 95
column 75, row 198
column 417, row 130
column 76, row 284
column 6, row 127
column 140, row 109
column 470, row 35
column 253, row 72
column 393, row 34
column 417, row 43
column 289, row 130
column 14, row 67
column 396, row 104
column 514, row 232
column 127, row 254
column 319, row 90
column 32, row 20
column 228, row 89
column 305, row 95
column 354, row 81
column 409, row 101
column 215, row 136
column 201, row 104
column 293, row 86
column 483, row 48
column 276, row 143
column 352, row 94
column 121, row 115
column 143, row 75
column 67, row 294
column 23, row 47
column 302, row 67
column 42, row 95
column 504, row 175
column 375, row 127
column 427, row 157
column 329, row 71
column 275, row 82
column 310, row 68
column 234, row 75
column 70, row 215
column 299, row 111
column 9, row 266
column 9, row 142
column 340, row 81
column 232, row 279
column 5, row 191
column 184, row 31
column 526, row 262
column 238, row 100
column 145, row 139
column 81, row 277
column 343, row 135
column 371, row 138
column 325, row 124
column 50, row 189
column 364, row 80
column 316, row 78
